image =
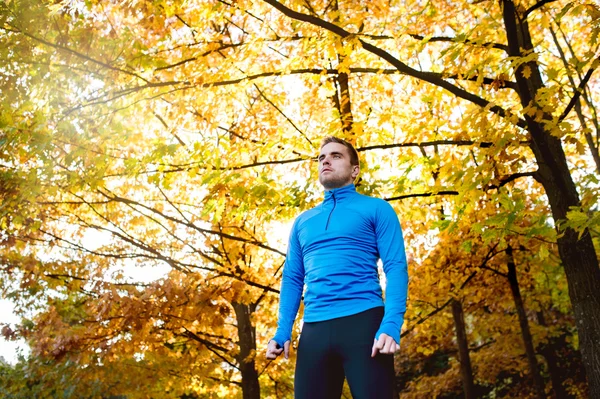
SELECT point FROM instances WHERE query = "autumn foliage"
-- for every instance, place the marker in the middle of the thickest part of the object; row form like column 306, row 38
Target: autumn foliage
column 154, row 154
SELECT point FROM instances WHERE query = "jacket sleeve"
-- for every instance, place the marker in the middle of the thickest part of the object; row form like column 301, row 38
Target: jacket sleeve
column 292, row 285
column 390, row 245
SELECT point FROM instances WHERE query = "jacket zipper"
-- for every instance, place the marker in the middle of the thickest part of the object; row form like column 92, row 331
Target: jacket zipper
column 329, row 217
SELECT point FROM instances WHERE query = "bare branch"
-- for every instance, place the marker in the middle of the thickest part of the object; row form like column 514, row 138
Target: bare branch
column 498, row 46
column 580, row 89
column 502, row 183
column 282, row 113
column 166, row 126
column 458, row 143
column 431, row 194
column 536, row 6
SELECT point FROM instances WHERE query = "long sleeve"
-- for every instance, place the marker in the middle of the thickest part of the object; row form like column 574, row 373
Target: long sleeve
column 292, row 285
column 390, row 245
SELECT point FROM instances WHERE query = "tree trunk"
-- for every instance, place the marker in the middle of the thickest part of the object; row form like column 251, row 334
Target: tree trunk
column 538, row 382
column 556, row 374
column 577, row 253
column 247, row 342
column 466, row 371
column 342, row 100
column 345, row 106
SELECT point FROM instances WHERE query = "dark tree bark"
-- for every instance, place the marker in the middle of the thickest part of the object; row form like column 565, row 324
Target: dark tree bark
column 577, row 253
column 345, row 104
column 247, row 343
column 534, row 369
column 466, row 371
column 342, row 88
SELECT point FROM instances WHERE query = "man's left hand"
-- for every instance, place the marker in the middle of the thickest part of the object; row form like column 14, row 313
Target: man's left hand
column 385, row 345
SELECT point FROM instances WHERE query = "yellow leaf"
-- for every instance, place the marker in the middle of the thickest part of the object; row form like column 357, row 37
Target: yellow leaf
column 526, row 72
column 543, row 252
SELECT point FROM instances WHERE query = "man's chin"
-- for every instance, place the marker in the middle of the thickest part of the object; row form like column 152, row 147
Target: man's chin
column 330, row 184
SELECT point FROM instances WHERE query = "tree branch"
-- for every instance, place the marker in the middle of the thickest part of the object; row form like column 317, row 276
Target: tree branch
column 402, row 67
column 502, row 183
column 431, row 194
column 458, row 143
column 82, row 56
column 536, row 6
column 498, row 46
column 281, row 113
column 188, row 166
column 512, row 178
column 438, row 309
column 116, row 198
column 580, row 89
column 210, row 346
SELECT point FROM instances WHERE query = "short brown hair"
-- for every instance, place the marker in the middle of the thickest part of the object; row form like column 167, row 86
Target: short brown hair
column 353, row 153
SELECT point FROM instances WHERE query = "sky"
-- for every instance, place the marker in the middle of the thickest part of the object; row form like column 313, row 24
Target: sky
column 8, row 349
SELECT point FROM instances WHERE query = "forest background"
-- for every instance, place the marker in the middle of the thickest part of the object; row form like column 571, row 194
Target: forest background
column 180, row 136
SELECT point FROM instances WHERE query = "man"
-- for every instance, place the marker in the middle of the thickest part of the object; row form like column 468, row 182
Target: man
column 334, row 249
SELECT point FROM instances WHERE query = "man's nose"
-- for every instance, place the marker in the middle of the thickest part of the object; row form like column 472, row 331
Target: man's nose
column 326, row 161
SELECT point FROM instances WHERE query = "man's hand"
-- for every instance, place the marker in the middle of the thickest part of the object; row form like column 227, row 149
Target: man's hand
column 274, row 350
column 385, row 345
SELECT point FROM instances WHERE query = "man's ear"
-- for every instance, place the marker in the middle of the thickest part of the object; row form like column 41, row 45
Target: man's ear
column 355, row 171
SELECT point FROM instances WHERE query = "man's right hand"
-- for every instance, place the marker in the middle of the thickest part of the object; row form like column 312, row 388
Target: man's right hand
column 274, row 350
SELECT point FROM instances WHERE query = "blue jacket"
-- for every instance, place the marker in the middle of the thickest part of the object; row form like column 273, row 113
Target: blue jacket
column 333, row 249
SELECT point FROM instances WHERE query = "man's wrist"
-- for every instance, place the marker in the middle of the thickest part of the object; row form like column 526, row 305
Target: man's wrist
column 280, row 342
column 386, row 331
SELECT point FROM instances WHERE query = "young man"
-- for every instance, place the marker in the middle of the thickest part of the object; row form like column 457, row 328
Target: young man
column 333, row 250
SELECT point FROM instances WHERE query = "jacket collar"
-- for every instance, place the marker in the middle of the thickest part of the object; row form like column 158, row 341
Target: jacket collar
column 340, row 193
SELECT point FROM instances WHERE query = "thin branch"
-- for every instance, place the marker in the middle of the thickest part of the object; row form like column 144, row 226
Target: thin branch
column 83, row 56
column 487, row 258
column 498, row 272
column 498, row 46
column 512, row 178
column 353, row 70
column 186, row 85
column 431, row 194
column 188, row 166
column 536, row 6
column 580, row 89
column 436, row 310
column 172, row 131
column 61, row 276
column 211, row 347
column 502, row 183
column 458, row 143
column 282, row 113
column 115, row 197
column 586, row 96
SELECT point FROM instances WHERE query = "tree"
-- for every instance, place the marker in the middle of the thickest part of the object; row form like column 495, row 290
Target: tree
column 537, row 100
column 179, row 132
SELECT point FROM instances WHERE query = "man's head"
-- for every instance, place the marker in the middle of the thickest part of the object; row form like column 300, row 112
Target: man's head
column 338, row 163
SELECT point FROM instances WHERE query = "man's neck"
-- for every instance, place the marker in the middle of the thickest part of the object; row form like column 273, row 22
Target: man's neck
column 338, row 187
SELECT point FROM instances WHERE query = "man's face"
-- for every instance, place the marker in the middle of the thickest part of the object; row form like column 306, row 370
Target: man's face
column 335, row 169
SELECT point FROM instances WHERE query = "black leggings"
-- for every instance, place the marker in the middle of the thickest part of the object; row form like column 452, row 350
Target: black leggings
column 329, row 350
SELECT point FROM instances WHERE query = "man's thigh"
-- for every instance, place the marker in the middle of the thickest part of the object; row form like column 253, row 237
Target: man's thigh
column 319, row 372
column 368, row 377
